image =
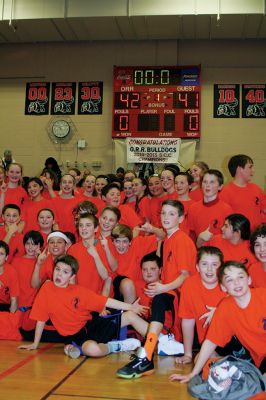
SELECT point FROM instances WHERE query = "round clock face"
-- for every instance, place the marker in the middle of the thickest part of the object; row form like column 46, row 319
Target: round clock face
column 61, row 128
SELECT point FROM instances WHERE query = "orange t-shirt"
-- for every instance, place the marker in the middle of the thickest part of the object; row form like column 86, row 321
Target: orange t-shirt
column 194, row 299
column 248, row 200
column 88, row 275
column 24, row 267
column 47, row 268
column 145, row 300
column 16, row 196
column 201, row 215
column 30, row 212
column 187, row 204
column 129, row 263
column 142, row 207
column 154, row 208
column 258, row 275
column 64, row 211
column 129, row 216
column 179, row 253
column 239, row 252
column 196, row 194
column 16, row 247
column 9, row 286
column 68, row 308
column 247, row 324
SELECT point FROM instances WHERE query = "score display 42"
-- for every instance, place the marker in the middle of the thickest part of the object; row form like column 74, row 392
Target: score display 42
column 156, row 102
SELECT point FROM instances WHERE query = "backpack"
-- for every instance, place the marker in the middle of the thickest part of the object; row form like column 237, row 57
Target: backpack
column 229, row 378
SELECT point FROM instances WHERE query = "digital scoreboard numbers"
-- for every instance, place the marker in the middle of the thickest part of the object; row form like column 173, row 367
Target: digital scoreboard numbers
column 156, row 102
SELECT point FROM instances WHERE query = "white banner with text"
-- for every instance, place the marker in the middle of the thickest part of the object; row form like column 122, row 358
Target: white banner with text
column 152, row 150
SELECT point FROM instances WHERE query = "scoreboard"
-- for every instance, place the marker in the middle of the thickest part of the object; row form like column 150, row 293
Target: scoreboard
column 160, row 102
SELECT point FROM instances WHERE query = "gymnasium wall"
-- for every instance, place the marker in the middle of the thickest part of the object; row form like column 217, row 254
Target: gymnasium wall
column 222, row 62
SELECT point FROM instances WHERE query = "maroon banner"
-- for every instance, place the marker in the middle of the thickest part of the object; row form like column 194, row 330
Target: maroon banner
column 90, row 98
column 226, row 101
column 63, row 98
column 254, row 101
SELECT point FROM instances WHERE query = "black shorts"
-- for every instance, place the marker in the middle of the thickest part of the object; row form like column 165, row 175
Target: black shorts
column 4, row 307
column 116, row 284
column 99, row 329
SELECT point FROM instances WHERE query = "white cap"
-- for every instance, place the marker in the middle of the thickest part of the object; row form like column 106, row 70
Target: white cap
column 58, row 234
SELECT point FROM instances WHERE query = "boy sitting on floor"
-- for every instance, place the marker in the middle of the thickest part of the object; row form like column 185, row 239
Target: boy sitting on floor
column 69, row 307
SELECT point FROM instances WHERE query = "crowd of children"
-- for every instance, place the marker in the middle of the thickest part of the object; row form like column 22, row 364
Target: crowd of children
column 179, row 257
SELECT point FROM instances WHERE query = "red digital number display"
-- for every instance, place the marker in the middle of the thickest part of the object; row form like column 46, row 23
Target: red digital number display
column 156, row 102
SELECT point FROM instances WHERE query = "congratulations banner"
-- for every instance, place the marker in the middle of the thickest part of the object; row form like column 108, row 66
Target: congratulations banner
column 141, row 150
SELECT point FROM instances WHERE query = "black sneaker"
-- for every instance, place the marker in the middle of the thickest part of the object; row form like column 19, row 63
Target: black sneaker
column 140, row 365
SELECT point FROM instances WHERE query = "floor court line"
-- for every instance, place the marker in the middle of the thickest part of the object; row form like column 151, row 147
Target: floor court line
column 90, row 396
column 20, row 364
column 64, row 379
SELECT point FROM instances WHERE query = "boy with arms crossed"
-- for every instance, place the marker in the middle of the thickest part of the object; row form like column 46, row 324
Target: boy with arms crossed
column 69, row 307
column 179, row 259
column 241, row 314
column 241, row 194
column 206, row 217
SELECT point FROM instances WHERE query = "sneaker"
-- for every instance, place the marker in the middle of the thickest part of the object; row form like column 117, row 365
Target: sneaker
column 125, row 345
column 72, row 351
column 140, row 365
column 168, row 346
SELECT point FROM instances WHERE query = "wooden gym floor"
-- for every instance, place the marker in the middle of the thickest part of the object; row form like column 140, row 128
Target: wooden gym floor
column 47, row 373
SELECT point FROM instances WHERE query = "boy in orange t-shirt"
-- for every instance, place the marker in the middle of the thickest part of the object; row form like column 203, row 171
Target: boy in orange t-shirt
column 241, row 314
column 241, row 194
column 257, row 271
column 200, row 295
column 164, row 312
column 179, row 260
column 234, row 240
column 128, row 253
column 24, row 266
column 95, row 259
column 69, row 307
column 111, row 194
column 206, row 217
column 10, row 232
column 57, row 245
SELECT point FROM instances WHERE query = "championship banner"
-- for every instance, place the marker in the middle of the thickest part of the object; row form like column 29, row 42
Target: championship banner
column 226, row 101
column 90, row 98
column 63, row 98
column 37, row 98
column 254, row 101
column 141, row 150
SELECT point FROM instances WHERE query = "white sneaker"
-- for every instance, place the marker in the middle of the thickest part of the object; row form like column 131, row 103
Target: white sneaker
column 127, row 344
column 168, row 346
column 72, row 351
